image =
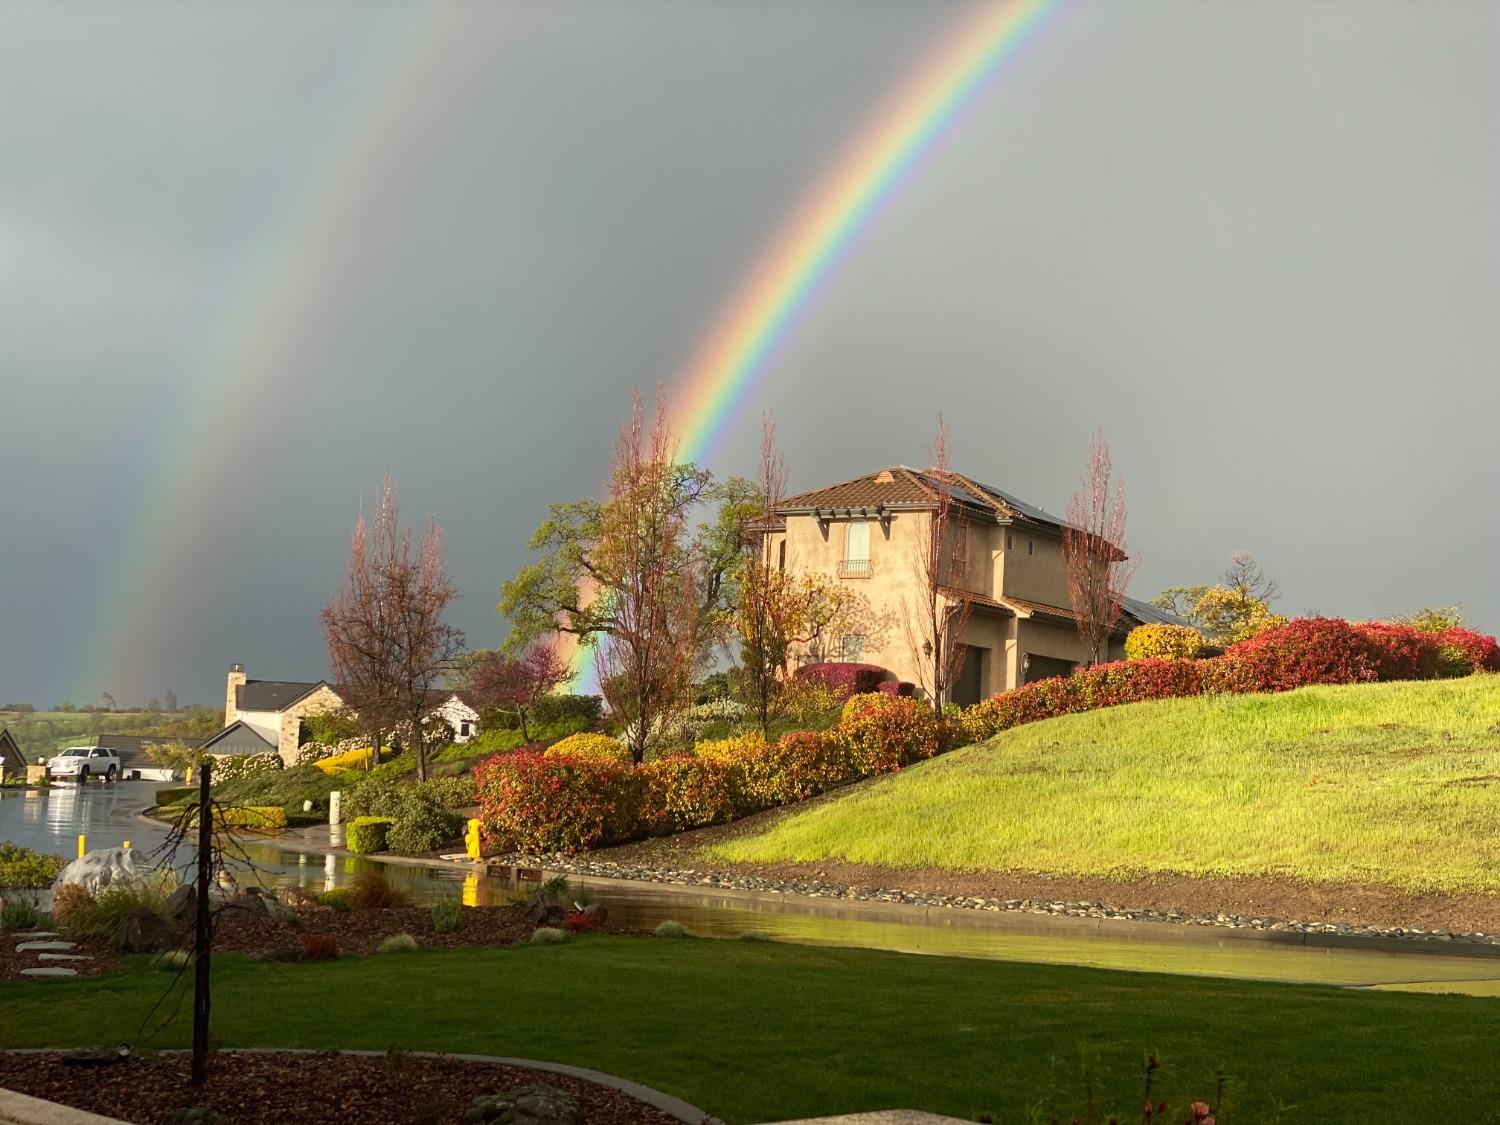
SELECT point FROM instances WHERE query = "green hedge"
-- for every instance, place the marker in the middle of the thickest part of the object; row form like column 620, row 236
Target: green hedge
column 366, row 834
column 267, row 818
column 175, row 795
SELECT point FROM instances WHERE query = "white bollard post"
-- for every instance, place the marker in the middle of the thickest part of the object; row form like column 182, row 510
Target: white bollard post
column 333, row 807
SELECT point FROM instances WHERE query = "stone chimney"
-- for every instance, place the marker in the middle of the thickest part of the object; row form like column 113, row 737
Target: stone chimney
column 236, row 679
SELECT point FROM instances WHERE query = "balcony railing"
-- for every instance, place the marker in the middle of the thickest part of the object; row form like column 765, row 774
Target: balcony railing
column 854, row 568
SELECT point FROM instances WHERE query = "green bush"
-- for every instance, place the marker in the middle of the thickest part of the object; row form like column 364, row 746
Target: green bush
column 399, row 943
column 175, row 795
column 550, row 935
column 422, row 825
column 447, row 917
column 329, row 728
column 22, row 868
column 367, row 834
column 263, row 818
column 288, row 788
column 336, row 899
column 19, row 914
column 451, row 792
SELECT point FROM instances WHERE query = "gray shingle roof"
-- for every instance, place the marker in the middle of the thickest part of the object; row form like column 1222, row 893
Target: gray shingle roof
column 238, row 737
column 271, row 695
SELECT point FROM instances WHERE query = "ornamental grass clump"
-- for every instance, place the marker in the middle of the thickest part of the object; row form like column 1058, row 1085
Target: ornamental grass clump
column 447, row 917
column 671, row 929
column 398, row 943
column 550, row 935
column 19, row 914
column 371, row 890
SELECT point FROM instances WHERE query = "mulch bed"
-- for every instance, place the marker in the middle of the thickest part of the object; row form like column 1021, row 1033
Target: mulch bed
column 247, row 1088
column 362, row 931
column 103, row 958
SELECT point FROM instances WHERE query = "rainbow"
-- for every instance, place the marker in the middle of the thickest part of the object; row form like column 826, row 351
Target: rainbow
column 708, row 392
column 243, row 366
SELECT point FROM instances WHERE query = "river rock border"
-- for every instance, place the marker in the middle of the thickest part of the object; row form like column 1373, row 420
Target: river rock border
column 817, row 889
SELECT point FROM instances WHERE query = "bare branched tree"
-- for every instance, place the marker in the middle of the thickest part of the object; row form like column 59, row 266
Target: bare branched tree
column 1098, row 569
column 945, row 598
column 388, row 645
column 514, row 684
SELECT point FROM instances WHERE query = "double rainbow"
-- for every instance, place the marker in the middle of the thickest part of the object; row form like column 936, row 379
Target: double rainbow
column 711, row 388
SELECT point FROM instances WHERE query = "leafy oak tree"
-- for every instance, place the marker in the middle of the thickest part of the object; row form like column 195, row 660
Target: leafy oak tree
column 1235, row 609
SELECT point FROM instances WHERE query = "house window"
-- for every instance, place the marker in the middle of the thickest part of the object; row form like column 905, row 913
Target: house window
column 856, row 562
column 781, row 556
column 464, row 728
column 1010, row 541
column 1031, row 546
column 852, row 648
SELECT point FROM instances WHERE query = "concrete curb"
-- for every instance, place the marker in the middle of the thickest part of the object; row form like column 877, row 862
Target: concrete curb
column 676, row 1107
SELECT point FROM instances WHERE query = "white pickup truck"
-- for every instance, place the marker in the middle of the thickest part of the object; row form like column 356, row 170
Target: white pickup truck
column 83, row 762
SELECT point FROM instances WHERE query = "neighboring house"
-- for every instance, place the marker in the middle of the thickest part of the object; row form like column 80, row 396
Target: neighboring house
column 267, row 715
column 456, row 708
column 12, row 761
column 870, row 533
column 262, row 715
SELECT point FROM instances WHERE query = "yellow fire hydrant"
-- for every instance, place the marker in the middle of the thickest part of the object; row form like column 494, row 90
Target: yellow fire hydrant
column 471, row 839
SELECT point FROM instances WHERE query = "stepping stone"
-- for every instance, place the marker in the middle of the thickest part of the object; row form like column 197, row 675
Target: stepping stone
column 45, row 946
column 63, row 957
column 35, row 935
column 49, row 972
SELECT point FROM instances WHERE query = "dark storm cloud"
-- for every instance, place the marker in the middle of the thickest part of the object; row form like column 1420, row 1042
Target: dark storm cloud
column 1257, row 243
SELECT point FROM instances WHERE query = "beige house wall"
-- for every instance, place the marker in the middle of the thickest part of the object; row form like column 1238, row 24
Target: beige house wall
column 1032, row 568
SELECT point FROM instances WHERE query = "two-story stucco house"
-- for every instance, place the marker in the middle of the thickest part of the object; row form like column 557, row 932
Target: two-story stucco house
column 871, row 532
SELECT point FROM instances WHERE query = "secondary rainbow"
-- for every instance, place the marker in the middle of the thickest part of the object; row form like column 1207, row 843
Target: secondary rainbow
column 708, row 392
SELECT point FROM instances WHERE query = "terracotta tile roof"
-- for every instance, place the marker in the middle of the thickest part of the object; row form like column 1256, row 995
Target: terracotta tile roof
column 900, row 487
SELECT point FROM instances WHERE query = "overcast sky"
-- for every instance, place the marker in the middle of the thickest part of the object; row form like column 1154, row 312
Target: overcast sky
column 253, row 257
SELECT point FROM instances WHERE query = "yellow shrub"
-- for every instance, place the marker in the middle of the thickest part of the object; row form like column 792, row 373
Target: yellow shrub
column 594, row 747
column 731, row 749
column 351, row 760
column 267, row 818
column 1164, row 642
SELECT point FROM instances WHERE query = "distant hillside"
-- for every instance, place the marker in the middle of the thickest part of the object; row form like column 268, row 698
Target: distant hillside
column 41, row 733
column 1383, row 784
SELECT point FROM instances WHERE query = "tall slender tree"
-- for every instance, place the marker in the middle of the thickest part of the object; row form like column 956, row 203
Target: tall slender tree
column 945, row 600
column 388, row 644
column 1099, row 571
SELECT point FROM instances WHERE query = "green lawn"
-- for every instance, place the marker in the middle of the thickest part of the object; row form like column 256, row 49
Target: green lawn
column 1379, row 783
column 756, row 1031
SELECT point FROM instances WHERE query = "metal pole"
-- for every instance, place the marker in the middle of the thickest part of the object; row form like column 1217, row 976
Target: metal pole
column 201, row 943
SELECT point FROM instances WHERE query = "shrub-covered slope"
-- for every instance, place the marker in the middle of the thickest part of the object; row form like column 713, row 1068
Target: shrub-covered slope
column 1393, row 784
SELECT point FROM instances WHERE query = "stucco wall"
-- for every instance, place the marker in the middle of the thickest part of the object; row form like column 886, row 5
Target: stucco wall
column 267, row 724
column 455, row 712
column 1036, row 573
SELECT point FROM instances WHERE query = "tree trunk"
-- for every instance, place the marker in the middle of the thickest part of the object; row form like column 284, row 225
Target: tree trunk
column 525, row 737
column 420, row 745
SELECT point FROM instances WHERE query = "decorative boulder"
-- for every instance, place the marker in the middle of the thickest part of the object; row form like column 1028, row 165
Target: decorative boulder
column 145, row 931
column 296, row 897
column 537, row 1104
column 248, row 904
column 104, row 867
column 182, row 905
column 283, row 914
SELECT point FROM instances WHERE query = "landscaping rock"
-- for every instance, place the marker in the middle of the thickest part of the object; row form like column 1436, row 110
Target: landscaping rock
column 63, row 957
column 45, row 946
column 280, row 913
column 251, row 905
column 537, row 1104
column 35, row 935
column 182, row 905
column 145, row 931
column 104, row 867
column 295, row 897
column 49, row 971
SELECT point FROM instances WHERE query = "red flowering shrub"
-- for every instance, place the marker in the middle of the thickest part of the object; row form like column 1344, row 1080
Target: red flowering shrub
column 541, row 804
column 845, row 677
column 1462, row 651
column 882, row 732
column 319, row 947
column 684, row 791
column 897, row 687
column 798, row 765
column 1310, row 650
column 1401, row 652
column 581, row 921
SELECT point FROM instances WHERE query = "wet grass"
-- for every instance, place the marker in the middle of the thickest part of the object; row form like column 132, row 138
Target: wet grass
column 1390, row 784
column 757, row 1031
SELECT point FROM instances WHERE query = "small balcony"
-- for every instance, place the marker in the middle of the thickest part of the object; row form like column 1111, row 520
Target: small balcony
column 854, row 568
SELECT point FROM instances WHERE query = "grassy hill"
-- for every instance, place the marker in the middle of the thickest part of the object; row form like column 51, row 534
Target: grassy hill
column 1392, row 784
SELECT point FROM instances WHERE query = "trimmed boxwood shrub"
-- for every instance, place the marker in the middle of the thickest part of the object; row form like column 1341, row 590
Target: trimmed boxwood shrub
column 264, row 818
column 175, row 795
column 422, row 825
column 367, row 834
